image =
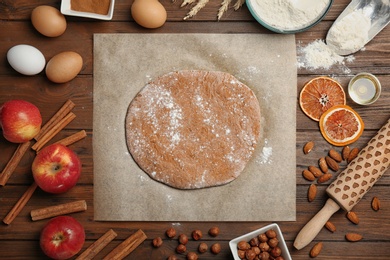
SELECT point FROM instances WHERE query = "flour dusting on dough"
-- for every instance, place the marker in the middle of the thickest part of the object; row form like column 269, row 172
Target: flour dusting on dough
column 193, row 129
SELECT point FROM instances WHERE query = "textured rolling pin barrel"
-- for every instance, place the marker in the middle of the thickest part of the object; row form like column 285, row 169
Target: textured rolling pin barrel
column 351, row 184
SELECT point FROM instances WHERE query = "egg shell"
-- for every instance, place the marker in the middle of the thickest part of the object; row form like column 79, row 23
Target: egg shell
column 48, row 20
column 26, row 59
column 64, row 67
column 148, row 13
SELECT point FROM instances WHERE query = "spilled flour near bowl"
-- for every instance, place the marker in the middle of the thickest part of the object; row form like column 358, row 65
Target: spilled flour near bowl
column 318, row 55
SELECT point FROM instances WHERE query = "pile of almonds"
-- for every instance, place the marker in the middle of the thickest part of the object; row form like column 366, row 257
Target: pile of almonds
column 264, row 246
column 183, row 240
column 329, row 162
column 321, row 174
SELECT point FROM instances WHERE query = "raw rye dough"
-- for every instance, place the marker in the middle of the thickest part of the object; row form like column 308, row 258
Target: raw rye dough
column 193, row 129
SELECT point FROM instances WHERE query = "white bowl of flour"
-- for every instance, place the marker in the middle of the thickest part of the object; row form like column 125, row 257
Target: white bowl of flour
column 288, row 16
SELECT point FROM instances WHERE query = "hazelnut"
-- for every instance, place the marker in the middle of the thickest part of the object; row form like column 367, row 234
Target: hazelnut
column 215, row 248
column 275, row 252
column 157, row 242
column 273, row 242
column 192, row 256
column 250, row 254
column 243, row 245
column 241, row 254
column 172, row 257
column 214, row 231
column 256, row 249
column 181, row 249
column 254, row 241
column 202, row 248
column 264, row 256
column 171, row 232
column 197, row 234
column 263, row 237
column 183, row 239
column 270, row 233
column 264, row 247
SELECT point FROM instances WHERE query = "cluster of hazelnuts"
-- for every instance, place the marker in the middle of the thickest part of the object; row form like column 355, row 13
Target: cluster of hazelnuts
column 262, row 247
column 183, row 240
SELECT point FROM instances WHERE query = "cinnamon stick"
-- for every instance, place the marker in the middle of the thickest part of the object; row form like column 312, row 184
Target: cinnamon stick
column 61, row 113
column 53, row 131
column 20, row 204
column 62, row 209
column 13, row 162
column 127, row 246
column 72, row 138
column 97, row 246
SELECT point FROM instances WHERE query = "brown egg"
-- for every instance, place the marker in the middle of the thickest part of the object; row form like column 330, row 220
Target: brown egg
column 48, row 21
column 64, row 66
column 148, row 13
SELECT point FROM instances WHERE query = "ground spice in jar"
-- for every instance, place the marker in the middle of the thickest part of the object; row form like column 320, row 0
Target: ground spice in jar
column 91, row 6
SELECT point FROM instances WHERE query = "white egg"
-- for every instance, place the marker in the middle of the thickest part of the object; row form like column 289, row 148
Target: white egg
column 26, row 59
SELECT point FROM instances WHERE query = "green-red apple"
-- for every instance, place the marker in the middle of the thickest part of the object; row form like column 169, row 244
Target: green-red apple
column 62, row 237
column 56, row 168
column 20, row 120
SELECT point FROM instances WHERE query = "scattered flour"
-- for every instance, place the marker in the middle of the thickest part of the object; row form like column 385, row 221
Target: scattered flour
column 290, row 14
column 350, row 34
column 318, row 55
column 265, row 157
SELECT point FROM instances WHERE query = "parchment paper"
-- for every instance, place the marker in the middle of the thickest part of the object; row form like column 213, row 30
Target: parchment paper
column 124, row 63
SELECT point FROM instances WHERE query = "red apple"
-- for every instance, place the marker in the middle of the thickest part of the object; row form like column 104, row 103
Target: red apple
column 56, row 168
column 20, row 120
column 62, row 237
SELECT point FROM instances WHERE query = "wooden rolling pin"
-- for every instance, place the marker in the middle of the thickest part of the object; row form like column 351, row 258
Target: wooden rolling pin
column 351, row 184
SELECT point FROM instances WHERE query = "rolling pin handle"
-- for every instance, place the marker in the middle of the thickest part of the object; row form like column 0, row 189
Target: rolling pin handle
column 314, row 226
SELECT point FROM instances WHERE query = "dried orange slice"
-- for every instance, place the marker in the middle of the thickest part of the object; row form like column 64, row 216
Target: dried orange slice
column 341, row 125
column 320, row 94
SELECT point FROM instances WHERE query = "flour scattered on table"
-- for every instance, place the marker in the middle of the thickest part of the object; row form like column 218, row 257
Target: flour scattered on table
column 318, row 55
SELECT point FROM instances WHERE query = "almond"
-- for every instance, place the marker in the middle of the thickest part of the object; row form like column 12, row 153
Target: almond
column 353, row 154
column 332, row 163
column 308, row 147
column 335, row 155
column 312, row 192
column 375, row 204
column 353, row 237
column 353, row 217
column 330, row 226
column 324, row 178
column 323, row 166
column 316, row 250
column 315, row 170
column 308, row 175
column 345, row 152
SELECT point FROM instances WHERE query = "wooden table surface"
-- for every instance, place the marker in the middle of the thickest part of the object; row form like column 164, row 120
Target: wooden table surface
column 19, row 240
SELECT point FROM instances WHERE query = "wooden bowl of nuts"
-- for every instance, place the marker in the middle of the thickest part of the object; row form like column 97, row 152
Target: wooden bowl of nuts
column 264, row 243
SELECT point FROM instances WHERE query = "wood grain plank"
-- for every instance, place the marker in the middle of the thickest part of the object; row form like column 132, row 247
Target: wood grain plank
column 331, row 250
column 11, row 33
column 21, row 10
column 23, row 228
